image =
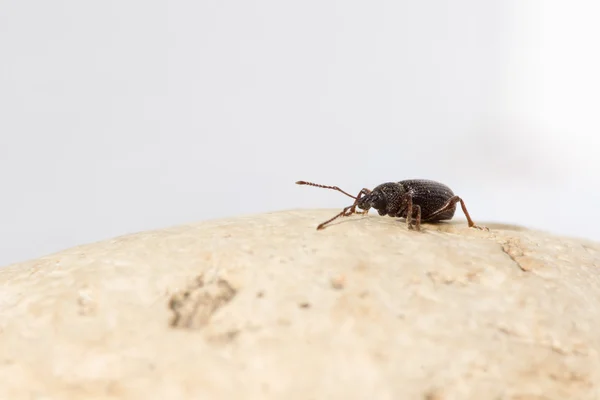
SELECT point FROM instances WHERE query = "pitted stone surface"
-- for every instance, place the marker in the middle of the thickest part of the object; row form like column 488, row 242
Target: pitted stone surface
column 266, row 307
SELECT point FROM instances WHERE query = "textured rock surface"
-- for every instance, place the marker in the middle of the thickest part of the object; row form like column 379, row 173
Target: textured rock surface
column 266, row 307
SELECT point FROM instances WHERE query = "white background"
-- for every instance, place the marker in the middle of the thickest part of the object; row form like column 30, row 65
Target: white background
column 122, row 116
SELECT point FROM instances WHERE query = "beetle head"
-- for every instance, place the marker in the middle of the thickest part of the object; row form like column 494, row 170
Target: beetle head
column 374, row 199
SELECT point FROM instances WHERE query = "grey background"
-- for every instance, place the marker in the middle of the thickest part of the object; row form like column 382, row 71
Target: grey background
column 122, row 116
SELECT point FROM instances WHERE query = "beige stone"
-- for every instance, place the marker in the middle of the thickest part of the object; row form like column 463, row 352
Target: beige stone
column 267, row 307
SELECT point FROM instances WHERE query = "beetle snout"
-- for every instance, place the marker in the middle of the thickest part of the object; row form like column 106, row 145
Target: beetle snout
column 363, row 203
column 369, row 201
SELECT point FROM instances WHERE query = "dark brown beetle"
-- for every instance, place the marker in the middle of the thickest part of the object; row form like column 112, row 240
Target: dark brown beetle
column 421, row 199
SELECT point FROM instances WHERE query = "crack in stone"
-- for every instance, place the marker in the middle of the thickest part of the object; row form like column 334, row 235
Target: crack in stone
column 512, row 248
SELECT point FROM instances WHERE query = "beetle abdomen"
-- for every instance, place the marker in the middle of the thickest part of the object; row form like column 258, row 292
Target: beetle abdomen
column 430, row 196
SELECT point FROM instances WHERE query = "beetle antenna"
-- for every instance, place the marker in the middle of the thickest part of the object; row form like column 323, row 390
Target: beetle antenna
column 326, row 187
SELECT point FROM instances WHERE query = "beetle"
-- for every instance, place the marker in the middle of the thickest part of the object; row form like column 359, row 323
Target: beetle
column 422, row 199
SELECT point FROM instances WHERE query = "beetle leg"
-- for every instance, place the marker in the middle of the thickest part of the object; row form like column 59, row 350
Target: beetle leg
column 418, row 218
column 345, row 212
column 410, row 210
column 348, row 211
column 363, row 192
column 451, row 203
